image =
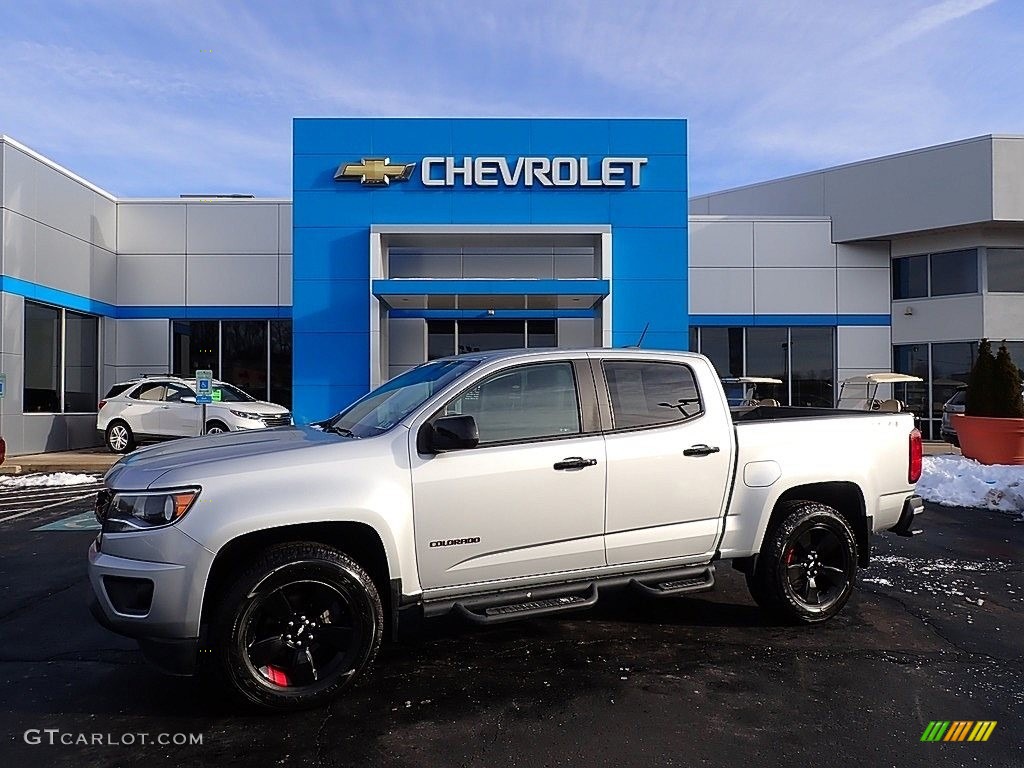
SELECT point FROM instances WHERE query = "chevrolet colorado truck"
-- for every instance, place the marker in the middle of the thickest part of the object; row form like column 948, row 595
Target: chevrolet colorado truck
column 493, row 486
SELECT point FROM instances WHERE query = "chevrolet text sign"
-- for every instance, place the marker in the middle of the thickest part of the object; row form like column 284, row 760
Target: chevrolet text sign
column 499, row 171
column 542, row 171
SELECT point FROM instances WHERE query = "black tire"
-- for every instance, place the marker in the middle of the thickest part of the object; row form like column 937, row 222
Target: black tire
column 263, row 659
column 119, row 437
column 216, row 428
column 810, row 545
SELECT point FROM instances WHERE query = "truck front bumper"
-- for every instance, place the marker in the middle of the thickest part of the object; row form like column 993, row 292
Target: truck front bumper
column 912, row 507
column 157, row 603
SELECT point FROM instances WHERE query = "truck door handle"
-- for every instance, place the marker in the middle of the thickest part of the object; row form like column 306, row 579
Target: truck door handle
column 575, row 462
column 701, row 450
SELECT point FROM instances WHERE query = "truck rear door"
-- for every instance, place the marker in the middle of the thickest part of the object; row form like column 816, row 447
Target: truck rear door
column 669, row 454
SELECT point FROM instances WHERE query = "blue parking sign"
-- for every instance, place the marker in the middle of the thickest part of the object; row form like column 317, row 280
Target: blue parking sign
column 204, row 388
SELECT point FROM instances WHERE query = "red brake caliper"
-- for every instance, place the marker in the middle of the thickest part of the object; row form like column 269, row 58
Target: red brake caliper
column 275, row 675
column 789, row 556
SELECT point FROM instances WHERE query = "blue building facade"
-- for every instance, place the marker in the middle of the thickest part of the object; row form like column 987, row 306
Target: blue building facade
column 408, row 233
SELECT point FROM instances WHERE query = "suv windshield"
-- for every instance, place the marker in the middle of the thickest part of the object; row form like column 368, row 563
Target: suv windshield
column 387, row 405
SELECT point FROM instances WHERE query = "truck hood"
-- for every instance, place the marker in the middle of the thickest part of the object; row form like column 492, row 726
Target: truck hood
column 198, row 455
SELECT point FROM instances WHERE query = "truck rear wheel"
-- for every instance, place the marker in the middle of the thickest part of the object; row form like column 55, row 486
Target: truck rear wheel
column 297, row 628
column 807, row 566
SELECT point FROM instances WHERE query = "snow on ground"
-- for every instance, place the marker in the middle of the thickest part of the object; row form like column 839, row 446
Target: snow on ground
column 55, row 479
column 954, row 481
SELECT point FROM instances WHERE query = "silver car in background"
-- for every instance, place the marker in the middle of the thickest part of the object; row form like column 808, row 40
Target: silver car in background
column 164, row 407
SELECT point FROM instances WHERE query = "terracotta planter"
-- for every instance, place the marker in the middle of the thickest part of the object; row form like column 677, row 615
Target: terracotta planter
column 990, row 441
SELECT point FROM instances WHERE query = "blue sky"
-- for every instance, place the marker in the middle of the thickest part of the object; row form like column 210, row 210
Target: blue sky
column 157, row 99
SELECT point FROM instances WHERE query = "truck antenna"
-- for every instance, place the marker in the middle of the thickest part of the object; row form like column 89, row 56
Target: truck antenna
column 640, row 341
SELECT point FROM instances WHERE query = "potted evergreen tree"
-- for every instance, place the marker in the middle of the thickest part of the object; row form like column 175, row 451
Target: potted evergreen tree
column 992, row 428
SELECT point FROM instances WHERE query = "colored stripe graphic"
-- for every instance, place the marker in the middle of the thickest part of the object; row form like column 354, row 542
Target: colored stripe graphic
column 935, row 730
column 958, row 730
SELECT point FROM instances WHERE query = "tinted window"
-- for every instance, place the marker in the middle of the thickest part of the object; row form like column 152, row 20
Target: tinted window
column 955, row 272
column 768, row 355
column 81, row 360
column 150, row 392
column 646, row 394
column 175, row 392
column 42, row 358
column 116, row 390
column 524, row 403
column 1006, row 269
column 910, row 277
column 724, row 347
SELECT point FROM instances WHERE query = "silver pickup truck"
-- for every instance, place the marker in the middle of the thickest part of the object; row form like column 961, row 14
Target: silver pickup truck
column 492, row 486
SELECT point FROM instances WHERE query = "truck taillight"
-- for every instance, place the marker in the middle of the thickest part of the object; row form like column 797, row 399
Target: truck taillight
column 916, row 452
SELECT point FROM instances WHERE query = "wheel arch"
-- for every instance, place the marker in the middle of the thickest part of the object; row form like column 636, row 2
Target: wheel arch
column 844, row 496
column 359, row 541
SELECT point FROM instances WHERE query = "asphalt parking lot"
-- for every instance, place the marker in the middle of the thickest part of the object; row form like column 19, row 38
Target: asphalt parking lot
column 935, row 633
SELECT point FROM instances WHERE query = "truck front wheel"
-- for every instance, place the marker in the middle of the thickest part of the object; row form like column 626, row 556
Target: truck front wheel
column 807, row 566
column 297, row 628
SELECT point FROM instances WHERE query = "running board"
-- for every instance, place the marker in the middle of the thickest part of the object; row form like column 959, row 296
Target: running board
column 701, row 581
column 496, row 614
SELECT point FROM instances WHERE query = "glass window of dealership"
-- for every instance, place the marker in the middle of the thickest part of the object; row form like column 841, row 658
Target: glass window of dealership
column 945, row 366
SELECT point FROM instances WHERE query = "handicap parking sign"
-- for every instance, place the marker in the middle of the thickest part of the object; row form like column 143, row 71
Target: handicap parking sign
column 204, row 388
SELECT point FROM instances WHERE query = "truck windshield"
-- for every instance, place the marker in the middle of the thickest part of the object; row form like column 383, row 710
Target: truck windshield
column 387, row 405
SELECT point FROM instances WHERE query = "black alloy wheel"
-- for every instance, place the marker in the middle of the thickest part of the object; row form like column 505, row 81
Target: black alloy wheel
column 807, row 565
column 817, row 567
column 297, row 628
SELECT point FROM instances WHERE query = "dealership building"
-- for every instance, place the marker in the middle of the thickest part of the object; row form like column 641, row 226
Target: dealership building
column 411, row 239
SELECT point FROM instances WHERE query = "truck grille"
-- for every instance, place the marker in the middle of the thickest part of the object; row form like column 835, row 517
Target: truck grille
column 279, row 420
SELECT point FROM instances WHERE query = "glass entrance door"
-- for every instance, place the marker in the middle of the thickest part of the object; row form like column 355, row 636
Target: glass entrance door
column 449, row 337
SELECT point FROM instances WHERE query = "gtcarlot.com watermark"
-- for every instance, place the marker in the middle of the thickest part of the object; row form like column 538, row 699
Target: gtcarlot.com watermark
column 56, row 737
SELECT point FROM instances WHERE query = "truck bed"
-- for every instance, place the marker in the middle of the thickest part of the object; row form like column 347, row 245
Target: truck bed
column 788, row 413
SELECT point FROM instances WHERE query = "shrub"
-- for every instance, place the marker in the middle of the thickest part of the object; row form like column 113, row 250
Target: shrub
column 1006, row 396
column 981, row 385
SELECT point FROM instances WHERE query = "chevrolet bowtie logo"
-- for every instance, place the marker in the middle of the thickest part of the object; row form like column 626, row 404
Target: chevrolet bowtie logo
column 374, row 170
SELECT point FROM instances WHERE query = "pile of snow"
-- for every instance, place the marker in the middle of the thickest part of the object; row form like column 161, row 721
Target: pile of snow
column 954, row 481
column 40, row 481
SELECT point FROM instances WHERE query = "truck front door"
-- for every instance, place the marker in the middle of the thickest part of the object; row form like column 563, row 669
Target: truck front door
column 669, row 462
column 529, row 500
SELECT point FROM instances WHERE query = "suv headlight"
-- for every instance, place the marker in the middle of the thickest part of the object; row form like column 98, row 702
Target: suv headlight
column 140, row 510
column 245, row 414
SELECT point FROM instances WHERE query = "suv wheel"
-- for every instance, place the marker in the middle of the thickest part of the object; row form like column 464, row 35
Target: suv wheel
column 807, row 566
column 216, row 428
column 298, row 627
column 119, row 437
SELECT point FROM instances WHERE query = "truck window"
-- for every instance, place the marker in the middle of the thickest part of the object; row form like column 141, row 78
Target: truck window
column 524, row 403
column 646, row 394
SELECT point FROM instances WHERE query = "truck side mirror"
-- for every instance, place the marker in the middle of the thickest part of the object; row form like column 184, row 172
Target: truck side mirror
column 451, row 433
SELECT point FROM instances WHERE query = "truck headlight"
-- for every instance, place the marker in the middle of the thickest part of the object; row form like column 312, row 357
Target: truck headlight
column 245, row 415
column 137, row 510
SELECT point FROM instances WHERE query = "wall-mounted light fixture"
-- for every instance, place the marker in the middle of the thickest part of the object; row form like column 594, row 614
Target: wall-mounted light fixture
column 908, row 311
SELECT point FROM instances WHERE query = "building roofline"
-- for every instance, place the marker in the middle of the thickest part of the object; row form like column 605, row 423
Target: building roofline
column 4, row 139
column 867, row 161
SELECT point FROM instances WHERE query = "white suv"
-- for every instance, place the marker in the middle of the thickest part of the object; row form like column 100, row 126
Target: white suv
column 164, row 407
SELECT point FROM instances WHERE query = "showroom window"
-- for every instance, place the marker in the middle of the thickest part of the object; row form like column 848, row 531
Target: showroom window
column 61, row 360
column 802, row 357
column 449, row 337
column 945, row 367
column 949, row 273
column 255, row 355
column 1005, row 270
